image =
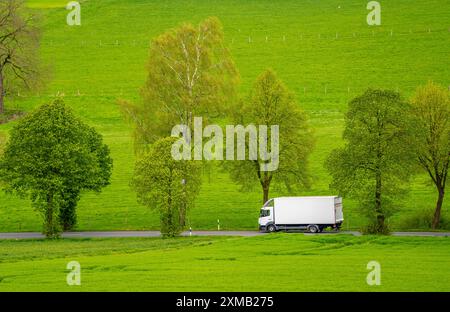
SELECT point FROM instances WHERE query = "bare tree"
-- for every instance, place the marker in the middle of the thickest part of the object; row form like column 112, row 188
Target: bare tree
column 19, row 43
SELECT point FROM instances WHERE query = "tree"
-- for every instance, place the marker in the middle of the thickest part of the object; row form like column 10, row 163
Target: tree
column 271, row 104
column 167, row 185
column 378, row 155
column 19, row 43
column 190, row 73
column 49, row 152
column 71, row 194
column 431, row 108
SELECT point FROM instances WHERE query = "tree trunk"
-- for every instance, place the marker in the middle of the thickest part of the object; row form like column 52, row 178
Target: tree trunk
column 380, row 226
column 183, row 210
column 50, row 229
column 437, row 212
column 2, row 106
column 265, row 183
column 265, row 194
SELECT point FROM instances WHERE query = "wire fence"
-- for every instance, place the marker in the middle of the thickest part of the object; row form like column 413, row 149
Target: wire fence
column 339, row 36
column 302, row 91
column 322, row 88
column 262, row 37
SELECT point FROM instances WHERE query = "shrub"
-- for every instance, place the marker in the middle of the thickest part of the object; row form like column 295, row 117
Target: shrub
column 423, row 220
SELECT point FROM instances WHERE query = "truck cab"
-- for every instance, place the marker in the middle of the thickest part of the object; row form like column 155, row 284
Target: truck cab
column 266, row 216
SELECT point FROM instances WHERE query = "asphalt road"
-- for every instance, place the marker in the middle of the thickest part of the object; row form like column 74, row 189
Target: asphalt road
column 103, row 234
column 35, row 235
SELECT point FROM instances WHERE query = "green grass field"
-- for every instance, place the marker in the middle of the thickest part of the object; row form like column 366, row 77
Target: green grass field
column 280, row 262
column 323, row 50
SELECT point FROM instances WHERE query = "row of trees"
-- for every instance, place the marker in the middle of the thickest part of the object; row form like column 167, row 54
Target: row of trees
column 387, row 140
column 52, row 156
column 191, row 73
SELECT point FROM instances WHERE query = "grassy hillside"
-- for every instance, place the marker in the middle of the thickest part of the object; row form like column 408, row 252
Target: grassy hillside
column 323, row 50
column 281, row 262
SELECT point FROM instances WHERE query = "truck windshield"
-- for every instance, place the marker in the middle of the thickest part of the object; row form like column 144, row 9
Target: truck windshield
column 265, row 213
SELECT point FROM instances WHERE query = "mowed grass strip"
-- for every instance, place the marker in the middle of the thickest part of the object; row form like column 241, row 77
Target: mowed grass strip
column 279, row 262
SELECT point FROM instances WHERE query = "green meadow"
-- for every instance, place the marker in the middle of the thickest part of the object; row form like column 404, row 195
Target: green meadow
column 323, row 50
column 279, row 262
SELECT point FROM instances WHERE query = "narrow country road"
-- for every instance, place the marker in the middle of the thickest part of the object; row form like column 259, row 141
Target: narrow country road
column 105, row 234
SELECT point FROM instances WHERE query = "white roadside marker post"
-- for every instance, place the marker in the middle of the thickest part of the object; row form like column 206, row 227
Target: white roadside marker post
column 218, row 225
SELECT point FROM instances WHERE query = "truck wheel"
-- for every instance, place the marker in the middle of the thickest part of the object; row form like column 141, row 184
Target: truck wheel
column 313, row 228
column 271, row 228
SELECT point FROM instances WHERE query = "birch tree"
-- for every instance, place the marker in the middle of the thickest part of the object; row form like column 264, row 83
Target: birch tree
column 189, row 73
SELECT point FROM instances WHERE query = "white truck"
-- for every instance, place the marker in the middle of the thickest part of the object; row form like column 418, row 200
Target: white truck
column 313, row 213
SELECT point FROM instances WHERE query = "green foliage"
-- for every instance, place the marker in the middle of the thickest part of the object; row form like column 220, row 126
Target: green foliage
column 2, row 142
column 271, row 103
column 431, row 109
column 67, row 210
column 378, row 157
column 423, row 220
column 51, row 152
column 189, row 73
column 375, row 227
column 71, row 194
column 167, row 185
column 10, row 115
